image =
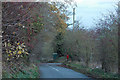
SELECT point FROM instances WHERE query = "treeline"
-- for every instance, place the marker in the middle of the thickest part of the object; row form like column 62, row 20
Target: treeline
column 95, row 48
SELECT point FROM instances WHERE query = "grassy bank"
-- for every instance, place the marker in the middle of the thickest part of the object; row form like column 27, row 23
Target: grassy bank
column 94, row 73
column 28, row 72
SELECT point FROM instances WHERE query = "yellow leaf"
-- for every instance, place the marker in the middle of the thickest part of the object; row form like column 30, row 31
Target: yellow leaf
column 18, row 43
column 26, row 52
column 19, row 52
column 9, row 44
column 9, row 51
column 6, row 51
column 21, row 6
column 19, row 47
column 8, row 54
column 14, row 52
column 11, row 54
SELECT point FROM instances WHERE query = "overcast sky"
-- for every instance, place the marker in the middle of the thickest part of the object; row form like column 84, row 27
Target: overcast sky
column 87, row 10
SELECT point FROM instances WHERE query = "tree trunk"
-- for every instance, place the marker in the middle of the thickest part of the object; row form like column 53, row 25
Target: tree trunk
column 119, row 53
column 119, row 37
column 87, row 57
column 104, row 57
column 105, row 67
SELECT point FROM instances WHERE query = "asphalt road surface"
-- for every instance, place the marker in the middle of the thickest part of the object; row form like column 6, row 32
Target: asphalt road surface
column 51, row 70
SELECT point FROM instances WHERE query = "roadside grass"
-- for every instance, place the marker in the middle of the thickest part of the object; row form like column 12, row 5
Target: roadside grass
column 28, row 72
column 94, row 73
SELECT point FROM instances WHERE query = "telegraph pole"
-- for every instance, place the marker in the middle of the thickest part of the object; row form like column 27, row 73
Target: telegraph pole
column 73, row 17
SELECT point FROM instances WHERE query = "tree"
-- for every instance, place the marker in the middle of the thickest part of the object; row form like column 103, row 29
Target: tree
column 108, row 42
column 58, row 10
column 118, row 36
column 18, row 32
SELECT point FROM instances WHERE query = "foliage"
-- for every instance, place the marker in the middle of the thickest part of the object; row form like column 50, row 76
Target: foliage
column 31, row 72
column 108, row 42
column 19, row 29
column 94, row 48
column 16, row 34
column 58, row 10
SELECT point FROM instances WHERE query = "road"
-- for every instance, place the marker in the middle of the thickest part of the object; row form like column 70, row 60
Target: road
column 51, row 70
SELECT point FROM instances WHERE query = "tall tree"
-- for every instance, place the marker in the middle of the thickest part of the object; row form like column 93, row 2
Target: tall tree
column 119, row 37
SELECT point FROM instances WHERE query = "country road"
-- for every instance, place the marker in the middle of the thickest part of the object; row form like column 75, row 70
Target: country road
column 51, row 70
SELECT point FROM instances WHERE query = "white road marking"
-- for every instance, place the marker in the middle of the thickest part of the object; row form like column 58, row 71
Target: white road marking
column 54, row 68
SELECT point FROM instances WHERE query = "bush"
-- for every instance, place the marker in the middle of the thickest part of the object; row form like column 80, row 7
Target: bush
column 27, row 72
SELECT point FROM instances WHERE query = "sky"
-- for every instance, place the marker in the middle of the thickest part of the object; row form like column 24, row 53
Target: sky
column 88, row 10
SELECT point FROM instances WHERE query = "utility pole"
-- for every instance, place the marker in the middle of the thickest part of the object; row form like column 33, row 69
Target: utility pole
column 73, row 17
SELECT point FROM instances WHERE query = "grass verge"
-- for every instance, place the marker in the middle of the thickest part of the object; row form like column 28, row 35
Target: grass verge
column 94, row 73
